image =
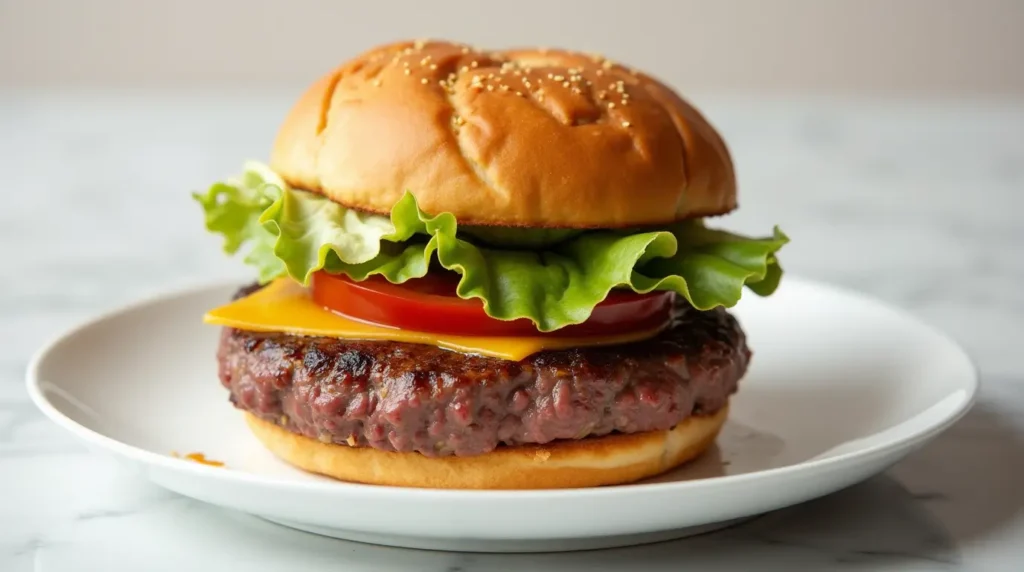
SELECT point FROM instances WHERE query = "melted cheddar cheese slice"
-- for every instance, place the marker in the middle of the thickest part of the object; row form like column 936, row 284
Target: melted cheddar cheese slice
column 285, row 306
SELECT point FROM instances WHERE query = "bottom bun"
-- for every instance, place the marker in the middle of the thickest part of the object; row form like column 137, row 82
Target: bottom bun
column 591, row 462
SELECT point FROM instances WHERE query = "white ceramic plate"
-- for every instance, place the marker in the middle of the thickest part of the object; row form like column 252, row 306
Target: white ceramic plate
column 840, row 388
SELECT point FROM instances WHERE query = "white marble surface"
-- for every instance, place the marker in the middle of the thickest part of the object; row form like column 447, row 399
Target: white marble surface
column 918, row 203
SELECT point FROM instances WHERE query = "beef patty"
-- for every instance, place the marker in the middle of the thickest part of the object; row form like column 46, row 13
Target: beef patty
column 410, row 397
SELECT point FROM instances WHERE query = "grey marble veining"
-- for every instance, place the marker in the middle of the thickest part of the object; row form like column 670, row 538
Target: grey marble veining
column 917, row 203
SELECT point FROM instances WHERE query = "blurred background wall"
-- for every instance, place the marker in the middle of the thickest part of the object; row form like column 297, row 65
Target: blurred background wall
column 863, row 46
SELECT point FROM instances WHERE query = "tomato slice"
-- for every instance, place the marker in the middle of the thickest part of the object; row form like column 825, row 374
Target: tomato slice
column 430, row 304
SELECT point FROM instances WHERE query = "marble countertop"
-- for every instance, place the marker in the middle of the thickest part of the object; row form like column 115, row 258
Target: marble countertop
column 918, row 203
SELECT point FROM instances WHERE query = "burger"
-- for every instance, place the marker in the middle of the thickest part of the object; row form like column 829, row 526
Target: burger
column 486, row 270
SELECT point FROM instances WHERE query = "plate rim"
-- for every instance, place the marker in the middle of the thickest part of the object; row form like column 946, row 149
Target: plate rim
column 37, row 394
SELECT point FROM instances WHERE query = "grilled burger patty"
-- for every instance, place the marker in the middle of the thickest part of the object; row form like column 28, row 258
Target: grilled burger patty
column 407, row 397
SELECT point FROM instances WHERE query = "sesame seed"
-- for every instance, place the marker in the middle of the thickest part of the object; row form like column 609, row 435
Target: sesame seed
column 625, row 124
column 465, row 50
column 407, row 72
column 424, row 61
column 607, row 64
column 602, row 94
column 376, row 83
column 600, row 72
column 433, row 66
column 519, row 93
column 464, row 69
column 576, row 90
column 504, row 88
column 565, row 84
column 418, row 44
column 517, row 73
column 424, row 81
column 611, row 105
column 490, row 88
column 558, row 78
column 474, row 64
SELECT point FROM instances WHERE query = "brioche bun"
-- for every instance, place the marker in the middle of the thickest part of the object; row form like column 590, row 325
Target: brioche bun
column 591, row 462
column 519, row 138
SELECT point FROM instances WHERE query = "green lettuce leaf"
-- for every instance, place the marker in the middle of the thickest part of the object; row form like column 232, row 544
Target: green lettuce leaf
column 513, row 237
column 560, row 285
column 233, row 210
column 309, row 226
column 554, row 284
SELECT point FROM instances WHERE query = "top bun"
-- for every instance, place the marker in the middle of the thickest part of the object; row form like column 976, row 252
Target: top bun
column 521, row 138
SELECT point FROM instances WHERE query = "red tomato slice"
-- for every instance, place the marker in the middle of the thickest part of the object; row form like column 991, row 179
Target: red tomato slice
column 430, row 305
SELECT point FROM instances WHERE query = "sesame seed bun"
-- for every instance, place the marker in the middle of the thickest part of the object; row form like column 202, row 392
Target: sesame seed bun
column 591, row 462
column 522, row 138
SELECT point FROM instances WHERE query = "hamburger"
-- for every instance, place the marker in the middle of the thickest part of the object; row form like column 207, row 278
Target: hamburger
column 486, row 270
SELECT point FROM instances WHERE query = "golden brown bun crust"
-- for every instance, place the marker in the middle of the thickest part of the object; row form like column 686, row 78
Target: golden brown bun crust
column 611, row 460
column 532, row 138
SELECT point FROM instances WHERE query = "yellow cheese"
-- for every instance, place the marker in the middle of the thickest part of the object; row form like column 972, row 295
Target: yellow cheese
column 285, row 306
